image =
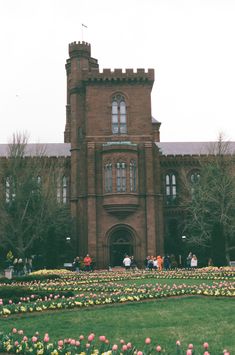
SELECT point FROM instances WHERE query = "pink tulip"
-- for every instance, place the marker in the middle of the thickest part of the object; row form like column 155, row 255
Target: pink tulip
column 206, row 353
column 147, row 341
column 122, row 341
column 102, row 338
column 14, row 330
column 20, row 332
column 46, row 338
column 88, row 345
column 189, row 352
column 25, row 338
column 115, row 347
column 60, row 343
column 129, row 345
column 158, row 348
column 226, row 352
column 16, row 343
column 34, row 339
column 124, row 347
column 81, row 337
column 178, row 343
column 91, row 337
column 72, row 342
column 205, row 345
column 139, row 353
column 106, row 341
column 190, row 346
column 77, row 343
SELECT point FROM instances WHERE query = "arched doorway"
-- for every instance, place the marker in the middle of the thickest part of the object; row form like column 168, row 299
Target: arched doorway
column 120, row 243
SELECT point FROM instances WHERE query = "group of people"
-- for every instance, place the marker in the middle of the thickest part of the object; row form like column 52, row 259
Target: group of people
column 81, row 263
column 129, row 262
column 191, row 261
column 22, row 266
column 151, row 262
column 158, row 263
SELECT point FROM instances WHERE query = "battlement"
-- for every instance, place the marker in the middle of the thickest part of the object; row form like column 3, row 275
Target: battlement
column 118, row 75
column 79, row 49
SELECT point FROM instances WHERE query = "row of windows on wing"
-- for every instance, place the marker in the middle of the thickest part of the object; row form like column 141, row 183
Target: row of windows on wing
column 61, row 189
column 171, row 185
column 120, row 177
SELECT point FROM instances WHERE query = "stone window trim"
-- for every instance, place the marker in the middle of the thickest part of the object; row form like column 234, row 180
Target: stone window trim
column 62, row 189
column 123, row 180
column 118, row 114
column 171, row 186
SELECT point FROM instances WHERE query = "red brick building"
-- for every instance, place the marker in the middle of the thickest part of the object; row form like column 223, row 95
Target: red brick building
column 123, row 185
column 115, row 176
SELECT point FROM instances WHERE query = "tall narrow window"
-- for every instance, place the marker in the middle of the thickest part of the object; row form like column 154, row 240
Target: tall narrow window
column 133, row 176
column 119, row 125
column 171, row 188
column 65, row 189
column 8, row 190
column 108, row 178
column 58, row 190
column 194, row 179
column 121, row 177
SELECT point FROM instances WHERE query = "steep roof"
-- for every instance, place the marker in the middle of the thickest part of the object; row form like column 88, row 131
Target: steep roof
column 48, row 149
column 190, row 148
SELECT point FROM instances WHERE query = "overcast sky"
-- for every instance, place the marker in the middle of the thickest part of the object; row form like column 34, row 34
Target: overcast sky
column 189, row 43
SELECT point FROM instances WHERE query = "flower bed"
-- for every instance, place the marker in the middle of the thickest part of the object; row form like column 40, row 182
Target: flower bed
column 100, row 294
column 16, row 342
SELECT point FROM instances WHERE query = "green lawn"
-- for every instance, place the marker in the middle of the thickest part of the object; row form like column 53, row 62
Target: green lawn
column 189, row 319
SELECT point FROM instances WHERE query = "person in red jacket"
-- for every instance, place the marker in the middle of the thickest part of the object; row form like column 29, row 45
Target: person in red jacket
column 87, row 262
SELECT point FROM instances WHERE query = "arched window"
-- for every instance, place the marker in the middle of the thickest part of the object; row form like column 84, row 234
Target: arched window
column 65, row 189
column 119, row 125
column 194, row 177
column 121, row 177
column 171, row 188
column 132, row 176
column 108, row 177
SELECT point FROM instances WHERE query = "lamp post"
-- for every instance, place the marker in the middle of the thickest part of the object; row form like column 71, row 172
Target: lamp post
column 183, row 238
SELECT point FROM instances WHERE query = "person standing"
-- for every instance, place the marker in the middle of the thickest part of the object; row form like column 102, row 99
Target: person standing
column 188, row 260
column 159, row 262
column 87, row 262
column 127, row 262
column 194, row 261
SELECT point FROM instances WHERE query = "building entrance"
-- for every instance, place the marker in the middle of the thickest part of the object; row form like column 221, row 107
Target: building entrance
column 121, row 243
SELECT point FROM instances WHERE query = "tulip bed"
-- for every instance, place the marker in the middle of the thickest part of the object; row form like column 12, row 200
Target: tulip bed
column 69, row 290
column 17, row 342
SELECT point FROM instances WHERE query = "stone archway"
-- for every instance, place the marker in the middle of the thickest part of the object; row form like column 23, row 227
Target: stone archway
column 121, row 242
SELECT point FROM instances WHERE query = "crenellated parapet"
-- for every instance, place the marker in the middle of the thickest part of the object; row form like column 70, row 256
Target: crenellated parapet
column 79, row 49
column 118, row 75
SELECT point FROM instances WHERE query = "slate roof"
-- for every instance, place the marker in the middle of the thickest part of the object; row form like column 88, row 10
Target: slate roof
column 49, row 149
column 190, row 148
column 166, row 148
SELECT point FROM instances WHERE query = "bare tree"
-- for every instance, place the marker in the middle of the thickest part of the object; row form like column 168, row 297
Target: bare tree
column 28, row 201
column 211, row 208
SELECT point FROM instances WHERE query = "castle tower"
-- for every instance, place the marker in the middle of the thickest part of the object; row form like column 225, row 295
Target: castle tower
column 115, row 201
